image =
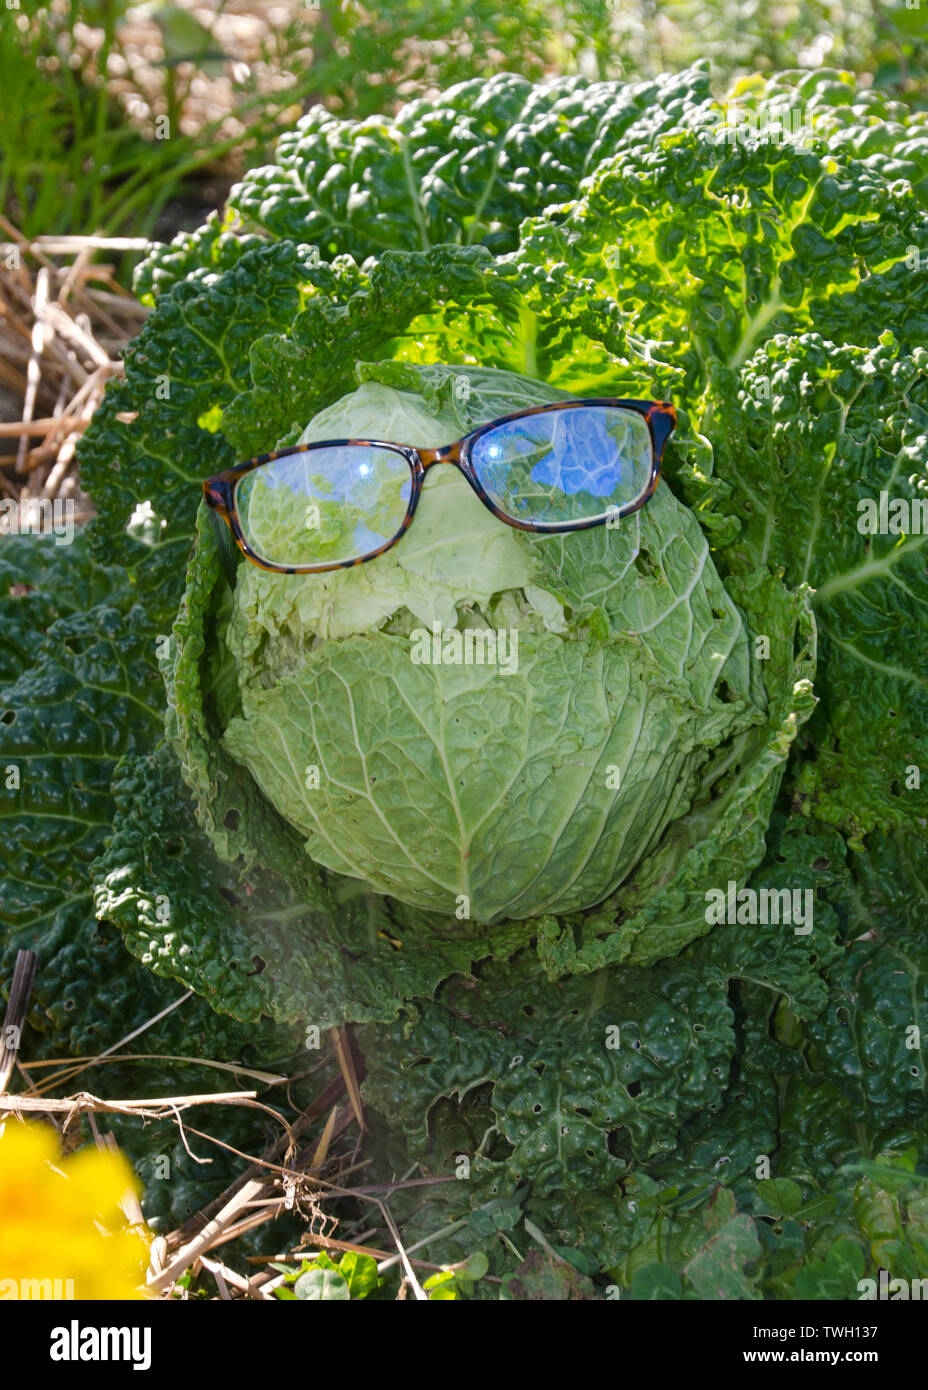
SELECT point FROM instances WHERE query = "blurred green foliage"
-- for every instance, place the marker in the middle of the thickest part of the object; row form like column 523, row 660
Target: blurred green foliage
column 71, row 160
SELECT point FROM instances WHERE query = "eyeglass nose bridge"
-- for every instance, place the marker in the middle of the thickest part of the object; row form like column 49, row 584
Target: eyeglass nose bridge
column 445, row 453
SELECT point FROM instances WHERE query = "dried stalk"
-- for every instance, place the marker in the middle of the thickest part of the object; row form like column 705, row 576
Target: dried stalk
column 15, row 1017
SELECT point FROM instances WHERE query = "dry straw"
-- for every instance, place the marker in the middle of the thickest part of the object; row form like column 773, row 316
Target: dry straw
column 64, row 323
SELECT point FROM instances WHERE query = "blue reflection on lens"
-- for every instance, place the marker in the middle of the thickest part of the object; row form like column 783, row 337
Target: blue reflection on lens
column 566, row 465
column 583, row 457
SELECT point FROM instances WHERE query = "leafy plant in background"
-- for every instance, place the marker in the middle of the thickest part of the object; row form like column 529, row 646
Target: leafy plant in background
column 901, row 48
column 743, row 37
column 758, row 1128
column 72, row 159
column 443, row 41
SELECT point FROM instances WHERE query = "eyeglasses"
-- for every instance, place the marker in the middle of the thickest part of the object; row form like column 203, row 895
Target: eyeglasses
column 341, row 502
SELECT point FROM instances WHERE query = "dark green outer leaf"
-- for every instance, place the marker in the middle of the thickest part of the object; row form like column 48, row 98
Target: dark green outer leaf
column 89, row 696
column 465, row 167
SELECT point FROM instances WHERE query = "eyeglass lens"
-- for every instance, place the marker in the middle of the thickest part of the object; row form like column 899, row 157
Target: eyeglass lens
column 566, row 465
column 324, row 505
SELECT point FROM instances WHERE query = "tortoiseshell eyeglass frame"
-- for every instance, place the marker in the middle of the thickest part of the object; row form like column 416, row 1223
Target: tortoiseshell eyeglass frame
column 219, row 491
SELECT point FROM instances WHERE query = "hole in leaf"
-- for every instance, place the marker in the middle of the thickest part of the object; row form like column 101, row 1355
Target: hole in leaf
column 645, row 565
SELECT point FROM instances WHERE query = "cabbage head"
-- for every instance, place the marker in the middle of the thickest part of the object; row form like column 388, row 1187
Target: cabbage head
column 509, row 788
column 573, row 783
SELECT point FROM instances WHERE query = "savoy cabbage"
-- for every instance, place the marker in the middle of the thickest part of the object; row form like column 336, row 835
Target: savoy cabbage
column 620, row 1074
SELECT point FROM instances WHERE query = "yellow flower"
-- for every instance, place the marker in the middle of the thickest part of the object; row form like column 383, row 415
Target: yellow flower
column 62, row 1233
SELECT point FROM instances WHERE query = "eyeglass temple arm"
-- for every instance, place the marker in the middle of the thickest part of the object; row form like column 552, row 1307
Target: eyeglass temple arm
column 663, row 419
column 229, row 553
